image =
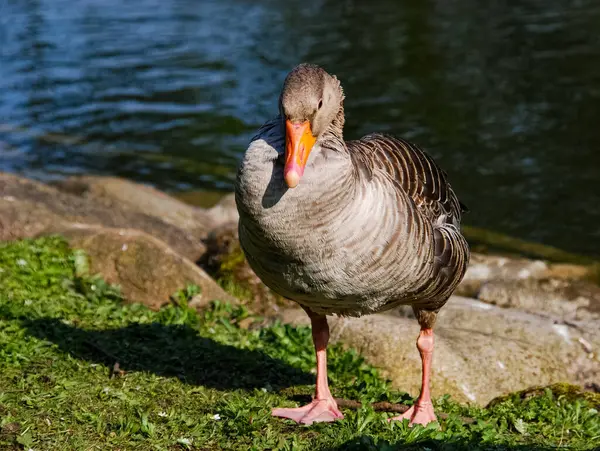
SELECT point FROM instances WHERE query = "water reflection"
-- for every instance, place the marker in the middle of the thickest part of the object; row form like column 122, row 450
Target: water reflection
column 168, row 92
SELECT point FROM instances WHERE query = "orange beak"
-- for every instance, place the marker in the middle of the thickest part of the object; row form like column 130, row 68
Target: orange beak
column 299, row 141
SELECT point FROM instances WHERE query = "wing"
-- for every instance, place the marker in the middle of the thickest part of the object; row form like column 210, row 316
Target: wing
column 415, row 171
column 424, row 182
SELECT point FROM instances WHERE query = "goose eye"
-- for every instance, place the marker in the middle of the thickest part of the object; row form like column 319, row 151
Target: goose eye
column 320, row 104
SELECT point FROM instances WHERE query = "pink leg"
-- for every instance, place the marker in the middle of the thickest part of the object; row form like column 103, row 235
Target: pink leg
column 422, row 411
column 323, row 407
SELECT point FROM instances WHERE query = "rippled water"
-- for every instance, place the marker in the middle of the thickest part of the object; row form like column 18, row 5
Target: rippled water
column 169, row 92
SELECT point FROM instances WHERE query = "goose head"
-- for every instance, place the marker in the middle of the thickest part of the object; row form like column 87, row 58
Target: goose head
column 310, row 101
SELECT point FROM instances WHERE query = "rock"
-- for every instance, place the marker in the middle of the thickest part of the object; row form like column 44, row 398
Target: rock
column 135, row 197
column 482, row 351
column 29, row 208
column 147, row 270
column 23, row 219
column 483, row 268
column 224, row 212
column 533, row 286
column 570, row 300
column 219, row 206
column 149, row 258
column 569, row 271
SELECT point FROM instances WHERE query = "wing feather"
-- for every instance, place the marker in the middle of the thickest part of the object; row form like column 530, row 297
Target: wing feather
column 415, row 171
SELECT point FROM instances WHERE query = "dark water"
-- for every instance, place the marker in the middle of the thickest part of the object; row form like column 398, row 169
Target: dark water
column 169, row 92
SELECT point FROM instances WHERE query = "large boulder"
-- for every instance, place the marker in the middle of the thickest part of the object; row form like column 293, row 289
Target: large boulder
column 481, row 351
column 147, row 270
column 121, row 193
column 29, row 208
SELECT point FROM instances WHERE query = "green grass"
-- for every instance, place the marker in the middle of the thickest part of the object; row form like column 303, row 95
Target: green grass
column 206, row 382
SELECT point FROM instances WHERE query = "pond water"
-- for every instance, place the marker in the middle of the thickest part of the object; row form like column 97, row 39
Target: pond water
column 168, row 92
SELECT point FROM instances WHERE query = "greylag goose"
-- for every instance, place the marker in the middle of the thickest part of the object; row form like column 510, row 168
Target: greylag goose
column 347, row 228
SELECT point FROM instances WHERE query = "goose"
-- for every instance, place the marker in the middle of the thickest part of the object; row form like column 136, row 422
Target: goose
column 347, row 228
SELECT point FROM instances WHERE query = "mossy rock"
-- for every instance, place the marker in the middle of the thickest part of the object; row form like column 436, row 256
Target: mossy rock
column 558, row 390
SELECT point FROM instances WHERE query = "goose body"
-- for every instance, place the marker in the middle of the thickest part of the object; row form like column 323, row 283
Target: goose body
column 352, row 228
column 357, row 235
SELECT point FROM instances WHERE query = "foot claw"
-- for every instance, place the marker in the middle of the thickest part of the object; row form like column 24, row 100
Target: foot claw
column 319, row 410
column 420, row 413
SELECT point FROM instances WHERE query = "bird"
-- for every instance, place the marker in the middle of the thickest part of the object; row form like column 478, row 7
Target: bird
column 347, row 228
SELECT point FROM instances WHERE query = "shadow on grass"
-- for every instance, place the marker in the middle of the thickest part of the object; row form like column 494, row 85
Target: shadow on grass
column 171, row 351
column 366, row 443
